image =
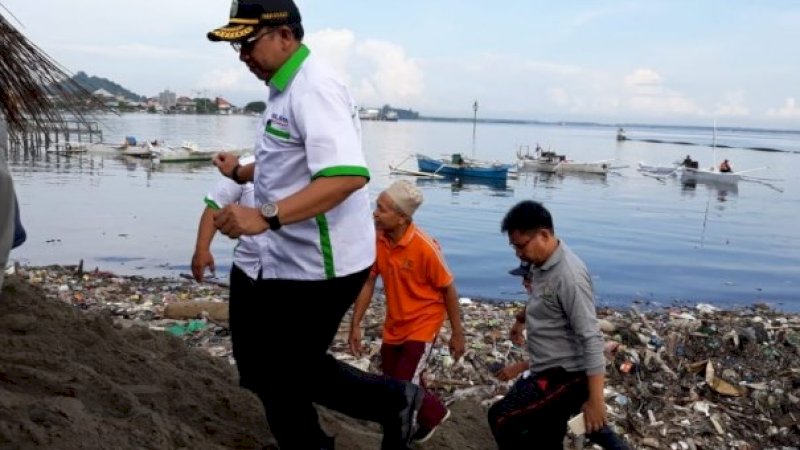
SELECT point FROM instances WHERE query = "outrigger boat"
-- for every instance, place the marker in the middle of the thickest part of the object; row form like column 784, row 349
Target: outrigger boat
column 552, row 162
column 458, row 166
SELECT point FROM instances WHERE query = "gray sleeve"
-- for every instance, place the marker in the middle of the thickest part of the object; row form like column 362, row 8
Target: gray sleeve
column 6, row 216
column 578, row 304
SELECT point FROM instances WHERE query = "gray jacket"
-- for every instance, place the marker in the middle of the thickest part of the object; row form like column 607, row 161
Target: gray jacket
column 560, row 317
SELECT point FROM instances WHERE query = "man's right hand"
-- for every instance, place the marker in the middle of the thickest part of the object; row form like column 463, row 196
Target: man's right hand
column 355, row 341
column 226, row 162
column 516, row 335
column 200, row 260
column 512, row 371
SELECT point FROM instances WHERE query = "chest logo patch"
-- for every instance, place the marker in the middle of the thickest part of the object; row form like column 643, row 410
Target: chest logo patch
column 278, row 125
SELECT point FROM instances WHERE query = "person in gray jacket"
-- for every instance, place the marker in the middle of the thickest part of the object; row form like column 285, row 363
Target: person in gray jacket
column 565, row 371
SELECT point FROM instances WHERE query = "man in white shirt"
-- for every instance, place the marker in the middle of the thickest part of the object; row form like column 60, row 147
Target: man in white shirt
column 316, row 239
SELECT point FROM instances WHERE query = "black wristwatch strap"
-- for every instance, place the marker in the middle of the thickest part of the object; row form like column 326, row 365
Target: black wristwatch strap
column 235, row 175
column 274, row 223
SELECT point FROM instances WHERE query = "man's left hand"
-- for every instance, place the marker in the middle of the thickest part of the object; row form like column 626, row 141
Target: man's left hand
column 594, row 414
column 235, row 220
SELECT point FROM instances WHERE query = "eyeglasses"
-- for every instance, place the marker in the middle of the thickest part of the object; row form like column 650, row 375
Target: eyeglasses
column 521, row 247
column 249, row 43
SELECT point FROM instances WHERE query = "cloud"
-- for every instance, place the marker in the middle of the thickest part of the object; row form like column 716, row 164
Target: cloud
column 558, row 96
column 647, row 94
column 132, row 51
column 231, row 80
column 789, row 110
column 335, row 47
column 552, row 68
column 396, row 78
column 378, row 71
column 643, row 78
column 732, row 105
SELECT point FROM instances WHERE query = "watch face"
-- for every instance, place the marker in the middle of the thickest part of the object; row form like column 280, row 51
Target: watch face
column 269, row 210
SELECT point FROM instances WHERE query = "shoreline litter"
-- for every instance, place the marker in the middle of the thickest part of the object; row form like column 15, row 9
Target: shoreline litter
column 679, row 377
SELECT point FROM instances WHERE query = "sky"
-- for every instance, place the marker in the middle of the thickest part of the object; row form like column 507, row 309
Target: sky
column 733, row 62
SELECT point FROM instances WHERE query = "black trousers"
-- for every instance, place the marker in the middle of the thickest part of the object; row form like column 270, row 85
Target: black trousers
column 535, row 412
column 280, row 332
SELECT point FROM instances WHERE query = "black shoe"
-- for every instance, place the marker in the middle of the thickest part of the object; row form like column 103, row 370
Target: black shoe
column 408, row 415
column 327, row 443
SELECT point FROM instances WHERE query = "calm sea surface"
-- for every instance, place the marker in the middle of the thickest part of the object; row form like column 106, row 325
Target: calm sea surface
column 642, row 238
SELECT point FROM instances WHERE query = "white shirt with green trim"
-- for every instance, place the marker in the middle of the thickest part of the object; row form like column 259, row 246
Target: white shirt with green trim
column 246, row 254
column 311, row 129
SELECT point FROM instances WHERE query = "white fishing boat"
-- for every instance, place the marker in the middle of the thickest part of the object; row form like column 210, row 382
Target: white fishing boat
column 166, row 154
column 138, row 151
column 69, row 148
column 711, row 175
column 191, row 146
column 552, row 162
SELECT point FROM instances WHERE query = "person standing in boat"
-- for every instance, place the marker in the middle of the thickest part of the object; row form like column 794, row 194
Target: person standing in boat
column 420, row 292
column 565, row 370
column 313, row 219
column 725, row 167
column 688, row 162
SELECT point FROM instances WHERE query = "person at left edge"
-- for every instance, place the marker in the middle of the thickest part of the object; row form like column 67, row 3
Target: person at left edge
column 317, row 240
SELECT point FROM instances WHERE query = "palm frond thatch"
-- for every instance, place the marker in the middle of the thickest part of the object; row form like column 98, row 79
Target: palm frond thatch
column 35, row 91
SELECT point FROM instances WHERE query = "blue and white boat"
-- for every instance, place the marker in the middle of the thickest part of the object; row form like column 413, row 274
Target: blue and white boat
column 459, row 167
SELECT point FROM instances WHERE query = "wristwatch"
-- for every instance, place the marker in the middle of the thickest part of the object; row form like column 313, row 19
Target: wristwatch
column 235, row 175
column 270, row 212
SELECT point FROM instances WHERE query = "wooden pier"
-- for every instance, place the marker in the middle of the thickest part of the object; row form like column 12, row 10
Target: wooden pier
column 37, row 138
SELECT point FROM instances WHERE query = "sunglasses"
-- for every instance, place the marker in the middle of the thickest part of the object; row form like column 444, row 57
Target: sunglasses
column 247, row 45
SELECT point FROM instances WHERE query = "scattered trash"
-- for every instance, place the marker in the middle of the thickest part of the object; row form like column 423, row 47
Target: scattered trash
column 190, row 327
column 686, row 378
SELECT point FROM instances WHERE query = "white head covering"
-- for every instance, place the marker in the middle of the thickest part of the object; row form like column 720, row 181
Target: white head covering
column 405, row 195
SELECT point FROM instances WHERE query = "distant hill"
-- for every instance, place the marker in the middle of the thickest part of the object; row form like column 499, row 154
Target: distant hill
column 92, row 83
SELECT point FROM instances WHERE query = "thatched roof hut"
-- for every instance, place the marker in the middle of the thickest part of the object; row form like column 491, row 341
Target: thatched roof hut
column 35, row 91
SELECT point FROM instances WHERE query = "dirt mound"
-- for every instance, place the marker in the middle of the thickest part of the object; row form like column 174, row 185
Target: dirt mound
column 70, row 379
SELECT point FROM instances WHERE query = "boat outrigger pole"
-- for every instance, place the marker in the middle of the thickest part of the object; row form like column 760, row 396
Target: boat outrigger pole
column 474, row 122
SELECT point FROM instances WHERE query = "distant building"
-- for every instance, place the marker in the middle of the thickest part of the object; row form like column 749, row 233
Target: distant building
column 153, row 105
column 167, row 100
column 386, row 113
column 186, row 105
column 223, row 106
column 369, row 114
column 106, row 97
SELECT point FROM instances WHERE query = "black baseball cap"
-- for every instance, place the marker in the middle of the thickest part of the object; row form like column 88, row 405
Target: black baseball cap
column 247, row 16
column 522, row 270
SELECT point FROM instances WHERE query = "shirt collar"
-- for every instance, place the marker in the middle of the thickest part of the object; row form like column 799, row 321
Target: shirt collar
column 289, row 69
column 405, row 240
column 555, row 258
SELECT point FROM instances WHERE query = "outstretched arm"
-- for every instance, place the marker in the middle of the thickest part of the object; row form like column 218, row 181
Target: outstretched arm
column 202, row 257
